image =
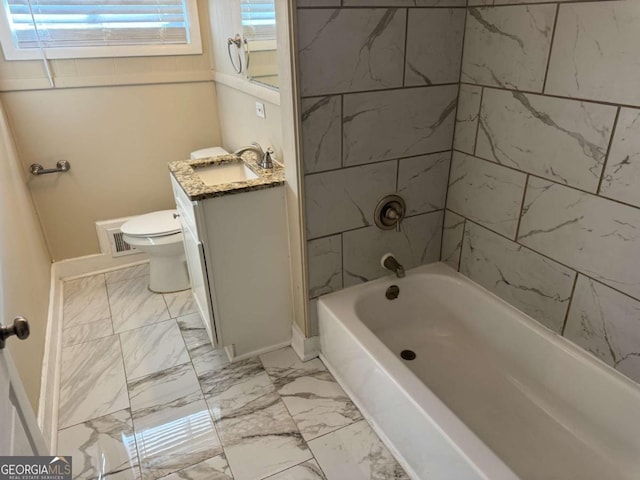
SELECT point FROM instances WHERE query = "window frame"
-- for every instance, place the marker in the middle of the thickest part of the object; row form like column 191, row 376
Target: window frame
column 12, row 52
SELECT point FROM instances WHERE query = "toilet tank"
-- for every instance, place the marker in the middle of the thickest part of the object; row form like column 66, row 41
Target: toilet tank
column 208, row 152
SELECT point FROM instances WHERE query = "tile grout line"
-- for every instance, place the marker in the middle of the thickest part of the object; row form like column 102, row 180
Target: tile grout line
column 453, row 142
column 126, row 380
column 457, row 7
column 571, row 295
column 475, row 141
column 306, row 444
column 552, row 95
column 379, row 162
column 126, row 386
column 464, row 228
column 341, row 136
column 204, row 399
column 296, row 423
column 574, row 269
column 608, row 152
column 553, row 35
column 404, row 53
column 446, row 200
column 555, row 182
column 341, row 257
column 521, row 211
column 362, row 227
column 380, row 90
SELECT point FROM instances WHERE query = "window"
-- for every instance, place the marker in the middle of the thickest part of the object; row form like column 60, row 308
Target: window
column 92, row 28
column 258, row 19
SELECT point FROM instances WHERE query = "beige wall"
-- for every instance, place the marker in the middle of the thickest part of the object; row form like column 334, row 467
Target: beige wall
column 239, row 124
column 118, row 141
column 118, row 121
column 24, row 266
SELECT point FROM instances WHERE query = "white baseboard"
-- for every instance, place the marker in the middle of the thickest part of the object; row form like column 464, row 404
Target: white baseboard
column 94, row 264
column 48, row 401
column 50, row 380
column 306, row 348
column 233, row 358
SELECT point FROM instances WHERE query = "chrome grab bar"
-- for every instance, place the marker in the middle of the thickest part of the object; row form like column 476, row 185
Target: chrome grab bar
column 61, row 166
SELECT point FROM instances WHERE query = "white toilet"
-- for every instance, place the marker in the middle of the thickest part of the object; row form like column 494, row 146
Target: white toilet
column 158, row 234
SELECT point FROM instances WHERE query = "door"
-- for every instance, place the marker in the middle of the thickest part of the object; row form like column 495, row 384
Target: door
column 194, row 252
column 19, row 432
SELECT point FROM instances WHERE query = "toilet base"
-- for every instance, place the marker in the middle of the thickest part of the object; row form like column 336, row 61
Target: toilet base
column 167, row 262
column 168, row 274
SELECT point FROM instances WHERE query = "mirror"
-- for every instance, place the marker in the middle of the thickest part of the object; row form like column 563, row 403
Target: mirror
column 259, row 34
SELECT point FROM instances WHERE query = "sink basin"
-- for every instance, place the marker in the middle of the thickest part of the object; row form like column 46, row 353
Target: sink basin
column 225, row 173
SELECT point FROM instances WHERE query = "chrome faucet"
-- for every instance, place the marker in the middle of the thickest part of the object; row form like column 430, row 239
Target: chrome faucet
column 264, row 158
column 389, row 262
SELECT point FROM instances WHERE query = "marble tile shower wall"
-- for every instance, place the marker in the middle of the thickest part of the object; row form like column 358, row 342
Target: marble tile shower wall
column 379, row 85
column 543, row 202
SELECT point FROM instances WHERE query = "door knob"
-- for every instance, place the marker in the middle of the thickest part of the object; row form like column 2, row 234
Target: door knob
column 20, row 329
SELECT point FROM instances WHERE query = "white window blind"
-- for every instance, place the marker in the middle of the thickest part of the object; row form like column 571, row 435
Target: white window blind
column 258, row 19
column 78, row 28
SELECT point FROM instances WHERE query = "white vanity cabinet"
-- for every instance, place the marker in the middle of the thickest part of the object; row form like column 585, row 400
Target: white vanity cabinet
column 237, row 253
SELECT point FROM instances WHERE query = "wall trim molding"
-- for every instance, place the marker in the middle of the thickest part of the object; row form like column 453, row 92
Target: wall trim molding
column 230, row 351
column 305, row 348
column 248, row 87
column 94, row 264
column 113, row 80
column 50, row 379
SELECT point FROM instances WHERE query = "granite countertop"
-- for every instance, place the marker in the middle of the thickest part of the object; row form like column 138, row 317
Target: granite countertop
column 184, row 172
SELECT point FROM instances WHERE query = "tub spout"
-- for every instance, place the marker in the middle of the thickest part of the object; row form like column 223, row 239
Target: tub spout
column 389, row 262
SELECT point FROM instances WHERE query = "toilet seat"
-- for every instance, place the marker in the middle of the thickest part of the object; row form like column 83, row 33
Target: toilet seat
column 152, row 225
column 158, row 240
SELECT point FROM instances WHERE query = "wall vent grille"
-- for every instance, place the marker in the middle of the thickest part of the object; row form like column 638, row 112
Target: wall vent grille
column 118, row 246
column 110, row 238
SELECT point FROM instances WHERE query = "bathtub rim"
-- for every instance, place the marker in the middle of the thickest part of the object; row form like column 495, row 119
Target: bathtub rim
column 442, row 269
column 342, row 304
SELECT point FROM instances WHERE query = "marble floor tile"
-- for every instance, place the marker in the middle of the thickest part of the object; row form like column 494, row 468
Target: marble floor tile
column 315, row 400
column 205, row 358
column 309, row 470
column 128, row 273
column 238, row 387
column 246, row 396
column 85, row 301
column 134, row 305
column 215, row 468
column 355, row 453
column 180, row 303
column 104, row 447
column 193, row 331
column 318, row 405
column 87, row 331
column 162, row 389
column 92, row 382
column 174, row 438
column 152, row 349
column 261, row 443
column 284, row 366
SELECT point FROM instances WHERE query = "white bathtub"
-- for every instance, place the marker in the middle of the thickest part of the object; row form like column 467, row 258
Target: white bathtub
column 492, row 394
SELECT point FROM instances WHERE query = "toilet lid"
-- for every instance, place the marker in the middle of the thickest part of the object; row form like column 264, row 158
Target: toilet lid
column 152, row 224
